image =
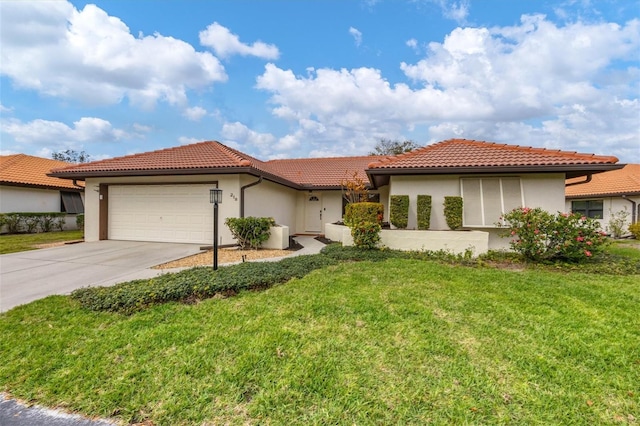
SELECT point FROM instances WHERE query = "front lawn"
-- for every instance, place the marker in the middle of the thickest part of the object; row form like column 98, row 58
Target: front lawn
column 14, row 243
column 392, row 342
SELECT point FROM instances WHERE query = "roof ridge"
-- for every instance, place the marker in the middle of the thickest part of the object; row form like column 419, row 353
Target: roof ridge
column 234, row 153
column 321, row 158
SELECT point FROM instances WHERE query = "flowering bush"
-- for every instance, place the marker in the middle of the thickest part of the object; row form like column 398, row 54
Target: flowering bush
column 539, row 235
column 366, row 234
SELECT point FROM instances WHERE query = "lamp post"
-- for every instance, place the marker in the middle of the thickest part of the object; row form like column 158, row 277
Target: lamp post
column 215, row 197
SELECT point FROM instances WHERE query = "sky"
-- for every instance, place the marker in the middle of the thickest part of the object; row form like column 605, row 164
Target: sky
column 297, row 79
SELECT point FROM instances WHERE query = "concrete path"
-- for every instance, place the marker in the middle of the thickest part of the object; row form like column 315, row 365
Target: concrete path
column 32, row 275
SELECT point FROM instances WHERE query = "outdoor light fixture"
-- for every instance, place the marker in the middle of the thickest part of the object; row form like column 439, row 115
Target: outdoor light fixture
column 215, row 197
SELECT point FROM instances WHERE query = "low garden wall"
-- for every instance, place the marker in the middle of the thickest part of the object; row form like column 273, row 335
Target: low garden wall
column 278, row 238
column 456, row 242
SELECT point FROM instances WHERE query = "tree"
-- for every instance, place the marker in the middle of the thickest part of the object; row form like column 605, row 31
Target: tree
column 389, row 147
column 71, row 156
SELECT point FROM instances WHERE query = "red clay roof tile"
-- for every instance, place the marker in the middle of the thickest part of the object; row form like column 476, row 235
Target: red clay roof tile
column 625, row 181
column 322, row 172
column 470, row 153
column 21, row 169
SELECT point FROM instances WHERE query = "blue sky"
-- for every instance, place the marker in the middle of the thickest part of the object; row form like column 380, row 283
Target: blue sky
column 291, row 79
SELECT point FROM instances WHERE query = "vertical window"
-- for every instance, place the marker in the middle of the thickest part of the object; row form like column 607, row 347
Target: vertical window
column 71, row 202
column 588, row 208
column 486, row 199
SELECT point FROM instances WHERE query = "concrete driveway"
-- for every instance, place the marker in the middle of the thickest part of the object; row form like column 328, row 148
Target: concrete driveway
column 32, row 275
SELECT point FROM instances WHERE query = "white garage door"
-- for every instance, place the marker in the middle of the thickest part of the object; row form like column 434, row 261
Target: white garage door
column 165, row 213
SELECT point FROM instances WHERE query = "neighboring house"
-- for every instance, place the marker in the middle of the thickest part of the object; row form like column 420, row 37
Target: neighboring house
column 26, row 188
column 599, row 196
column 164, row 195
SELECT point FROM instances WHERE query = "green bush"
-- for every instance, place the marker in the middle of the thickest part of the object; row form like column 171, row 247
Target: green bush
column 399, row 211
column 80, row 222
column 197, row 283
column 424, row 212
column 453, row 212
column 250, row 231
column 635, row 230
column 363, row 212
column 539, row 235
column 366, row 234
column 14, row 222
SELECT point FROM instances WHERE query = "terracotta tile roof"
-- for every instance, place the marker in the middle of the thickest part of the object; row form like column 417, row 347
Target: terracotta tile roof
column 202, row 155
column 322, row 172
column 457, row 153
column 625, row 181
column 450, row 156
column 26, row 170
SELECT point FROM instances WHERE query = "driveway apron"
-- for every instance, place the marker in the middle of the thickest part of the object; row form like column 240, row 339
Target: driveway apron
column 31, row 275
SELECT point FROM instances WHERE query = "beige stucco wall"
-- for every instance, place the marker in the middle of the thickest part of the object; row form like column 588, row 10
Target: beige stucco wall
column 28, row 200
column 539, row 190
column 230, row 206
column 268, row 199
column 612, row 205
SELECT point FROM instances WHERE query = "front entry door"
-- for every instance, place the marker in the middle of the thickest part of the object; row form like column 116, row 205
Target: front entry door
column 313, row 219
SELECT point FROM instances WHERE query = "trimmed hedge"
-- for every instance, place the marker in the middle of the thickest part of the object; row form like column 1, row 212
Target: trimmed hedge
column 32, row 222
column 635, row 230
column 424, row 212
column 197, row 283
column 363, row 212
column 399, row 211
column 453, row 212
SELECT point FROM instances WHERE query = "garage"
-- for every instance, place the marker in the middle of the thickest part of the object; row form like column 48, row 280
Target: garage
column 163, row 213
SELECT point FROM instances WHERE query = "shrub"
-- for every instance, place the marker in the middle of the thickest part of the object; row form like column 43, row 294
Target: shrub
column 59, row 222
column 635, row 230
column 196, row 283
column 14, row 222
column 617, row 222
column 48, row 222
column 424, row 211
column 539, row 235
column 80, row 222
column 399, row 211
column 250, row 231
column 31, row 222
column 366, row 234
column 363, row 212
column 453, row 212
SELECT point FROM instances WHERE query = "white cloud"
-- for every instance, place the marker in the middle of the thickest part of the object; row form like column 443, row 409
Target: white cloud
column 413, row 44
column 249, row 139
column 357, row 36
column 54, row 135
column 194, row 113
column 184, row 140
column 87, row 55
column 539, row 82
column 226, row 44
column 5, row 109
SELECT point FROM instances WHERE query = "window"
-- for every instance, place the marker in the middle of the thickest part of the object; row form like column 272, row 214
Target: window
column 72, row 202
column 486, row 199
column 588, row 208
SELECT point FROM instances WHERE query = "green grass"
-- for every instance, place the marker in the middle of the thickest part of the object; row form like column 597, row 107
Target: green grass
column 391, row 342
column 22, row 242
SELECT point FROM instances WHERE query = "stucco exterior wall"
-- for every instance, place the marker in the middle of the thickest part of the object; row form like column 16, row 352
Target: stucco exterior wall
column 28, row 200
column 230, row 206
column 268, row 199
column 612, row 205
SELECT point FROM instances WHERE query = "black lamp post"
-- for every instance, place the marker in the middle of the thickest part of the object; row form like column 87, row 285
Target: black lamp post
column 215, row 197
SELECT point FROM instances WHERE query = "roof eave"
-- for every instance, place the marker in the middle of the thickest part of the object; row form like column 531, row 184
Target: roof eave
column 175, row 172
column 380, row 176
column 604, row 195
column 47, row 187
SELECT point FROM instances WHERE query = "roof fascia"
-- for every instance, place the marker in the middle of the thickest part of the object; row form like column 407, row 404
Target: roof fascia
column 621, row 194
column 381, row 176
column 176, row 172
column 47, row 187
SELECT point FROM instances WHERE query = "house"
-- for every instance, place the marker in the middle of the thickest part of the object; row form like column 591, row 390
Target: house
column 164, row 195
column 605, row 194
column 26, row 188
